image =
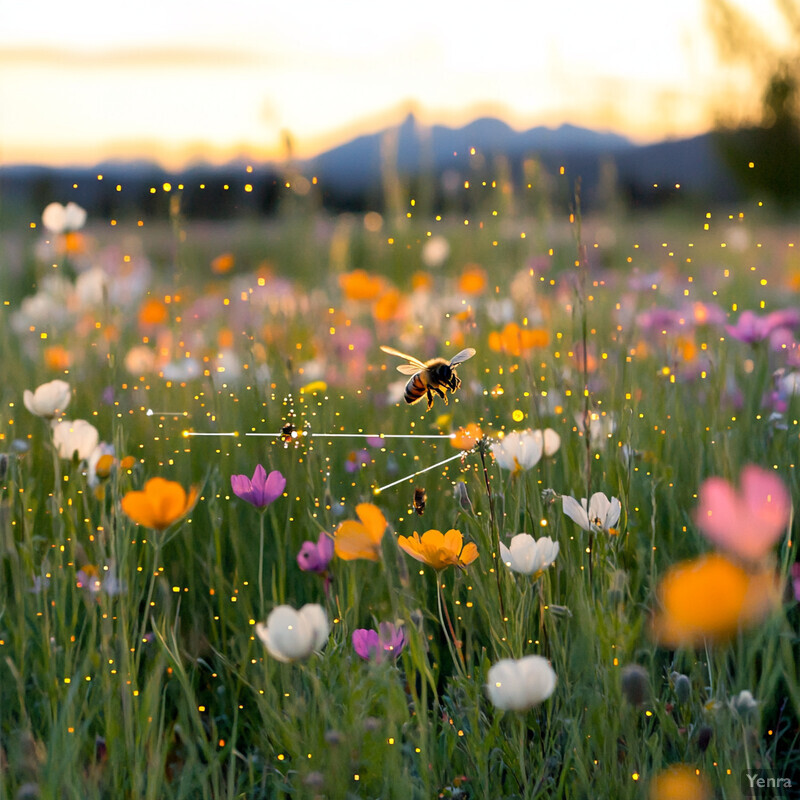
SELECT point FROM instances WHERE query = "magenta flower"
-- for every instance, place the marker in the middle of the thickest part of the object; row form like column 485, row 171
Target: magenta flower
column 745, row 523
column 262, row 490
column 378, row 646
column 752, row 328
column 316, row 557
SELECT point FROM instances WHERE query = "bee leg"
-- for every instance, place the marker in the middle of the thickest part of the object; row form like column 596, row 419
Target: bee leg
column 442, row 394
column 430, row 399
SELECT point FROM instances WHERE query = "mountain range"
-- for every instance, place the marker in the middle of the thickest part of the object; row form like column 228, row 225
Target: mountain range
column 352, row 175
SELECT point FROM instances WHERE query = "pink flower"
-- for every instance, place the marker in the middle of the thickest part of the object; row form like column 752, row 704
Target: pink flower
column 316, row 557
column 378, row 646
column 262, row 490
column 752, row 328
column 747, row 523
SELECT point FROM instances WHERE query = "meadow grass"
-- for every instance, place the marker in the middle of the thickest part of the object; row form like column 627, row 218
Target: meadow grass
column 130, row 663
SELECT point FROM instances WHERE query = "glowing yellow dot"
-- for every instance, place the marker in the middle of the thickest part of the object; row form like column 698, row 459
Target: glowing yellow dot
column 517, row 415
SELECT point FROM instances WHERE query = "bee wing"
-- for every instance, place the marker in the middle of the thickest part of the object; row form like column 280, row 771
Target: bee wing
column 460, row 358
column 409, row 369
column 418, row 365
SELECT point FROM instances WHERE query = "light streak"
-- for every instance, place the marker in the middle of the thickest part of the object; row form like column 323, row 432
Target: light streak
column 419, row 472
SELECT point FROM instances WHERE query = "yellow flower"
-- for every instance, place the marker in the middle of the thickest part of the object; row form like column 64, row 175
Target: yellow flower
column 354, row 540
column 439, row 550
column 711, row 598
column 159, row 504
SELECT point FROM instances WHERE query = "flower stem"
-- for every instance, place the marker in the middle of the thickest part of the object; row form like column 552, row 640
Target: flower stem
column 261, row 566
column 453, row 644
column 495, row 529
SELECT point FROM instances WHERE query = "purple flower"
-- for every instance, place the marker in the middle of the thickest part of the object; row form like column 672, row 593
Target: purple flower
column 262, row 490
column 795, row 581
column 316, row 557
column 378, row 646
column 752, row 328
column 356, row 460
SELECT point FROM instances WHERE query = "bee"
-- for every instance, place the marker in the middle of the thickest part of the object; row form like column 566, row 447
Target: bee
column 437, row 375
column 420, row 496
column 288, row 433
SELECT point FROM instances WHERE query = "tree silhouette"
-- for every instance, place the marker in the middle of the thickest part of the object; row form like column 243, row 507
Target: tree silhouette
column 764, row 157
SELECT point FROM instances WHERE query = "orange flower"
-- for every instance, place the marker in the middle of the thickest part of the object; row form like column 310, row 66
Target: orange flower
column 421, row 281
column 222, row 263
column 354, row 540
column 57, row 358
column 387, row 305
column 711, row 598
column 466, row 438
column 515, row 341
column 74, row 243
column 473, row 280
column 159, row 504
column 679, row 782
column 439, row 550
column 360, row 285
column 152, row 312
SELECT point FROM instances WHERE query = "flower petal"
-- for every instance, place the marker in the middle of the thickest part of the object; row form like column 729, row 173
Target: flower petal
column 575, row 511
column 352, row 541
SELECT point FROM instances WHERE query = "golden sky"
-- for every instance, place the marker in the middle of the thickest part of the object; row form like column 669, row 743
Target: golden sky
column 176, row 80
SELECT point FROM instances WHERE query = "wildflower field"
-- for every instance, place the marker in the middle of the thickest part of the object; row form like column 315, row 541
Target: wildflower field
column 237, row 564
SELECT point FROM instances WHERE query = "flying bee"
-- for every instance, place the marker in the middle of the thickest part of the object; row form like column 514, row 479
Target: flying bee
column 420, row 497
column 437, row 375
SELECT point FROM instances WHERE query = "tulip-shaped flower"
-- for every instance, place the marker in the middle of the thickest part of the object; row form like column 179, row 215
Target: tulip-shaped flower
column 49, row 400
column 362, row 539
column 746, row 523
column 261, row 489
column 601, row 514
column 381, row 645
column 520, row 684
column 439, row 550
column 75, row 437
column 315, row 557
column 292, row 635
column 519, row 451
column 159, row 503
column 529, row 556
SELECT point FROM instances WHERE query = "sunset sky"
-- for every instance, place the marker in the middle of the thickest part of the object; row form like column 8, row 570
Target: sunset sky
column 176, row 80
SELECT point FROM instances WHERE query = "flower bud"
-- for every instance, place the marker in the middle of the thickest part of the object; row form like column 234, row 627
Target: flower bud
column 743, row 704
column 682, row 687
column 635, row 684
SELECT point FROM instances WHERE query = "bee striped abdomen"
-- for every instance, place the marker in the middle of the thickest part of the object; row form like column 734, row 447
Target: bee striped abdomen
column 415, row 389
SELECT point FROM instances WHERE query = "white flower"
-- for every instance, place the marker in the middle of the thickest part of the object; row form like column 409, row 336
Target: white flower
column 517, row 685
column 550, row 440
column 91, row 287
column 435, row 252
column 528, row 555
column 518, row 451
column 602, row 514
column 601, row 426
column 75, row 436
column 58, row 218
column 49, row 399
column 290, row 635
